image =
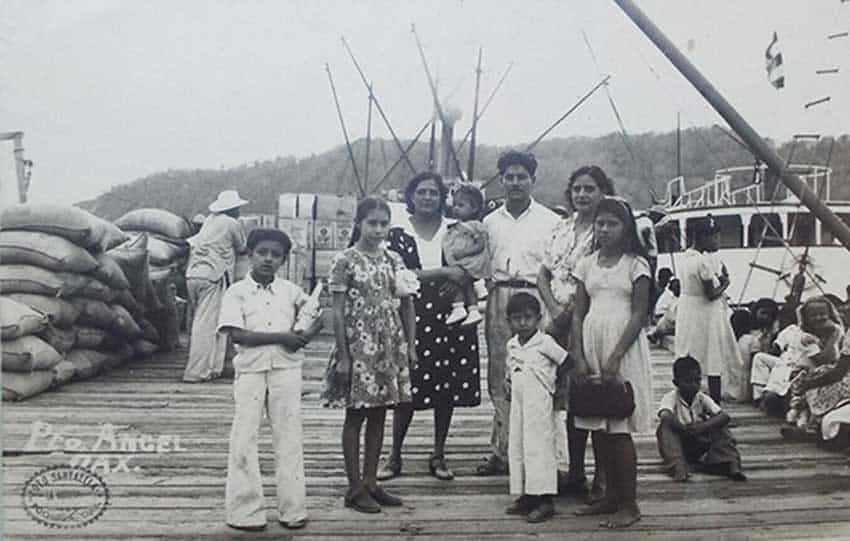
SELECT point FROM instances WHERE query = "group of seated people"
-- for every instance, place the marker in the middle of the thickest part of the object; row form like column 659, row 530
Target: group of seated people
column 796, row 368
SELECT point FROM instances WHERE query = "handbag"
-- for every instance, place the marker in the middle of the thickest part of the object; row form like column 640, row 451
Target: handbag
column 610, row 399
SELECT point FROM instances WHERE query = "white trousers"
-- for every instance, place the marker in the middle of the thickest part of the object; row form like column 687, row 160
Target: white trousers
column 207, row 346
column 532, row 445
column 278, row 392
column 770, row 373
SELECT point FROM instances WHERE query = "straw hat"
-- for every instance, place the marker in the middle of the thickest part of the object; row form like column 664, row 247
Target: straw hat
column 227, row 200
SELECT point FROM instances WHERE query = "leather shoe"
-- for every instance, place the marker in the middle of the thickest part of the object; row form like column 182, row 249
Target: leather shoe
column 361, row 501
column 390, row 469
column 492, row 465
column 522, row 505
column 542, row 512
column 385, row 498
column 571, row 485
column 438, row 468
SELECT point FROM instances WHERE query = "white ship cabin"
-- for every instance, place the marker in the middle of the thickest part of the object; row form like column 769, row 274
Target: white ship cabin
column 764, row 238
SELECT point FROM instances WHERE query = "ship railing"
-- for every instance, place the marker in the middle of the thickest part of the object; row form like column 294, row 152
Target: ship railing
column 718, row 191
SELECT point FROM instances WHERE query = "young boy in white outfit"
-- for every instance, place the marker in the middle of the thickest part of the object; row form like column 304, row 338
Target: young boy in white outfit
column 259, row 312
column 532, row 365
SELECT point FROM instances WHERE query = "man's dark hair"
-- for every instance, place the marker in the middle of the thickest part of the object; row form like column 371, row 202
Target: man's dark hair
column 259, row 235
column 520, row 302
column 683, row 365
column 512, row 157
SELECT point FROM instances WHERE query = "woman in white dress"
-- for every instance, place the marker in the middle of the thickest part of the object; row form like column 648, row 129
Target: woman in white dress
column 611, row 307
column 703, row 329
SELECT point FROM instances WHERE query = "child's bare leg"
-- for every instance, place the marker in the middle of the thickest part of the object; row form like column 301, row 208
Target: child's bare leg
column 624, row 460
column 351, row 446
column 372, row 452
column 470, row 299
column 603, row 459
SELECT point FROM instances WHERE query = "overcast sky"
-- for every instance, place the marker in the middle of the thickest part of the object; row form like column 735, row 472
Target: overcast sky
column 108, row 91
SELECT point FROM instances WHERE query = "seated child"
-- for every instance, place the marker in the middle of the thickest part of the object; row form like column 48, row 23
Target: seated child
column 821, row 335
column 465, row 245
column 259, row 312
column 666, row 326
column 532, row 365
column 770, row 374
column 693, row 429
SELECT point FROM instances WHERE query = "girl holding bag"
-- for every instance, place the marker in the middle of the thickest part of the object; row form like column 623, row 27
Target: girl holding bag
column 611, row 349
column 370, row 366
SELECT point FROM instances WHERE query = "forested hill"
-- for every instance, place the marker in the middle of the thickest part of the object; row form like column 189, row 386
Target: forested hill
column 703, row 150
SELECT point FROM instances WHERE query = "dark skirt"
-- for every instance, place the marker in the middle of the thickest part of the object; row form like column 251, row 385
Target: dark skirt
column 448, row 369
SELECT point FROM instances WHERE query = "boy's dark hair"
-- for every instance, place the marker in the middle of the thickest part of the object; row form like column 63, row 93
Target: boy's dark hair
column 259, row 235
column 512, row 157
column 683, row 365
column 665, row 272
column 471, row 194
column 521, row 302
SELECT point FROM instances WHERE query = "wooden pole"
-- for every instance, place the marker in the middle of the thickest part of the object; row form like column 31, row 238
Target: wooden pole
column 344, row 131
column 436, row 98
column 746, row 132
column 378, row 105
column 401, row 158
column 485, row 106
column 470, row 171
column 368, row 142
column 546, row 132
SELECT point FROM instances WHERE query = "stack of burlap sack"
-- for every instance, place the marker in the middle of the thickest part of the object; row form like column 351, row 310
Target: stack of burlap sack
column 69, row 309
column 168, row 252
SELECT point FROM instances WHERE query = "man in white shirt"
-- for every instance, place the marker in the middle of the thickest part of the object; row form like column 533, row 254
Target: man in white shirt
column 210, row 271
column 518, row 232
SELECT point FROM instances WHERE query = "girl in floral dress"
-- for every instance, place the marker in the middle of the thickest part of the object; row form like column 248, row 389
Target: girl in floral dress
column 374, row 331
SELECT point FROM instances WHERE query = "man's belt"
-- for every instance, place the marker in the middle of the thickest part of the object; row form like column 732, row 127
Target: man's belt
column 516, row 283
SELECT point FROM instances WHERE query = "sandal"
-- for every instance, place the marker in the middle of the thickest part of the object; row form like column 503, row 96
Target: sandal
column 492, row 465
column 438, row 468
column 390, row 469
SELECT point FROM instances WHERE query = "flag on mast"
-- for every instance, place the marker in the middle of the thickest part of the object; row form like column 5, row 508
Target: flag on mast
column 773, row 61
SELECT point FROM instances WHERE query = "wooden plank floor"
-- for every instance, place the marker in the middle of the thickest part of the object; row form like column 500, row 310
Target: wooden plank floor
column 794, row 491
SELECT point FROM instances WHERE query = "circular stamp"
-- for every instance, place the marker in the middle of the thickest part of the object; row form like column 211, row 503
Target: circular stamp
column 65, row 497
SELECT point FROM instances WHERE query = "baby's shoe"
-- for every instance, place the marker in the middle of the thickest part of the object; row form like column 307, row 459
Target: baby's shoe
column 803, row 419
column 792, row 416
column 480, row 288
column 473, row 317
column 458, row 313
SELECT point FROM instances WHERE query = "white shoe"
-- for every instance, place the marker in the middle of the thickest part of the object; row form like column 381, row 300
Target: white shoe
column 480, row 289
column 473, row 318
column 458, row 314
column 792, row 416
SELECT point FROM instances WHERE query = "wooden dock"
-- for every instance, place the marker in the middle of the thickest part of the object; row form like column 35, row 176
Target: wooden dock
column 795, row 490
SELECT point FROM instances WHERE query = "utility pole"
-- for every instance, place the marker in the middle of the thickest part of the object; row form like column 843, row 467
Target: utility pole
column 470, row 171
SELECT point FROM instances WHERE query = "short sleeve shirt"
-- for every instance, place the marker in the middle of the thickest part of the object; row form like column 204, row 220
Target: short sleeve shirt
column 541, row 355
column 214, row 248
column 273, row 308
column 702, row 407
column 563, row 251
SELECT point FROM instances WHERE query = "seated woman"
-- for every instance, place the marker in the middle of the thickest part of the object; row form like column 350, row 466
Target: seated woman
column 822, row 327
column 759, row 338
column 813, row 341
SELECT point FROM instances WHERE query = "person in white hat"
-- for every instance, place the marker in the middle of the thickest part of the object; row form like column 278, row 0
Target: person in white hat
column 210, row 271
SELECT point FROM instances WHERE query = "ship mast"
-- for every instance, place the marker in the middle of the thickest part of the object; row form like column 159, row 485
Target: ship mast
column 746, row 132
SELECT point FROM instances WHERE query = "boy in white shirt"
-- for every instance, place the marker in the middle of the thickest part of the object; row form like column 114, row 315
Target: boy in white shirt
column 259, row 312
column 532, row 366
column 693, row 429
